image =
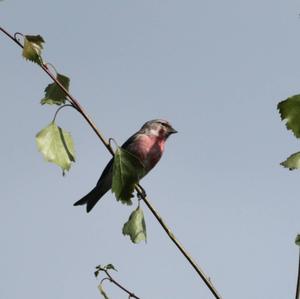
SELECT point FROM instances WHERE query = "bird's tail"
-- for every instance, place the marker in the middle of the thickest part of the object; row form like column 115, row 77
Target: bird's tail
column 91, row 198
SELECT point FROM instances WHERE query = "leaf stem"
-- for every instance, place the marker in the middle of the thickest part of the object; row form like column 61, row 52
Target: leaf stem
column 61, row 107
column 80, row 110
column 53, row 67
column 139, row 189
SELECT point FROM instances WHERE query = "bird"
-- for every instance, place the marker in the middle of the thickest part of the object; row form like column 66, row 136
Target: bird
column 147, row 144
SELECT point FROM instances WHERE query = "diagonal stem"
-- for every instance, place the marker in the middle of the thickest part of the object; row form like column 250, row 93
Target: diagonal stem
column 178, row 244
column 138, row 188
column 298, row 279
column 131, row 295
column 72, row 99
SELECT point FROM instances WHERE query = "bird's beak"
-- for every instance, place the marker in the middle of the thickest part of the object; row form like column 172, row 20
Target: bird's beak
column 173, row 131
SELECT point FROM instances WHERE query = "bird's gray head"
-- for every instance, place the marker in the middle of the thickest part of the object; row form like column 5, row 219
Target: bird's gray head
column 158, row 127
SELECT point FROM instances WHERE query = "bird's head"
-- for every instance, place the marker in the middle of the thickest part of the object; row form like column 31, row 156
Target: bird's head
column 158, row 127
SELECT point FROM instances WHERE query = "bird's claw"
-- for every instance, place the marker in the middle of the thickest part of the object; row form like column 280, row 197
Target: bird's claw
column 142, row 194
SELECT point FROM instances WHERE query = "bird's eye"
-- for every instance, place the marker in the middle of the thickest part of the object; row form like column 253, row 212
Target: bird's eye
column 165, row 124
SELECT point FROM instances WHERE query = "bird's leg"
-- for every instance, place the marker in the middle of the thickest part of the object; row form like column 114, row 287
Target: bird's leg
column 141, row 194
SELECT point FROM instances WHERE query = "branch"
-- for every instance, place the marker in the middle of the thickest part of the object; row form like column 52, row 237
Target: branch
column 138, row 188
column 200, row 272
column 131, row 295
column 112, row 280
column 72, row 99
column 298, row 279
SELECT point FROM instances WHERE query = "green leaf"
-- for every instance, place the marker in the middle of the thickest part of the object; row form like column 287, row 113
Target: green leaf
column 127, row 170
column 110, row 267
column 102, row 291
column 297, row 241
column 32, row 50
column 98, row 269
column 56, row 145
column 53, row 93
column 135, row 227
column 290, row 111
column 292, row 162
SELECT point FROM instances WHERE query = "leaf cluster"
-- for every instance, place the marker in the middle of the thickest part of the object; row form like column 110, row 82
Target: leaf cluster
column 105, row 268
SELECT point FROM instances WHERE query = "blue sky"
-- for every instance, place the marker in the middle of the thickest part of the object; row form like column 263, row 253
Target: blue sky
column 216, row 70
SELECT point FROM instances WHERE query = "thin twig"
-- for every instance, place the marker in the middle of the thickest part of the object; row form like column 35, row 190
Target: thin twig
column 138, row 187
column 132, row 295
column 298, row 279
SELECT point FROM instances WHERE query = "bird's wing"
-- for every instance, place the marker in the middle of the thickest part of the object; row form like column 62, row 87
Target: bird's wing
column 106, row 171
column 129, row 141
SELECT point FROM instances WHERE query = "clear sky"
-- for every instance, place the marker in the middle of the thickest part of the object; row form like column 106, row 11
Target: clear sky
column 216, row 70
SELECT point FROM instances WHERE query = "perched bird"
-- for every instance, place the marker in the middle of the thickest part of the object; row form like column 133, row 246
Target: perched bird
column 147, row 144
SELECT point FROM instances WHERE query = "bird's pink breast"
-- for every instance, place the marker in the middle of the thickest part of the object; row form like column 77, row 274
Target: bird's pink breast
column 148, row 149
